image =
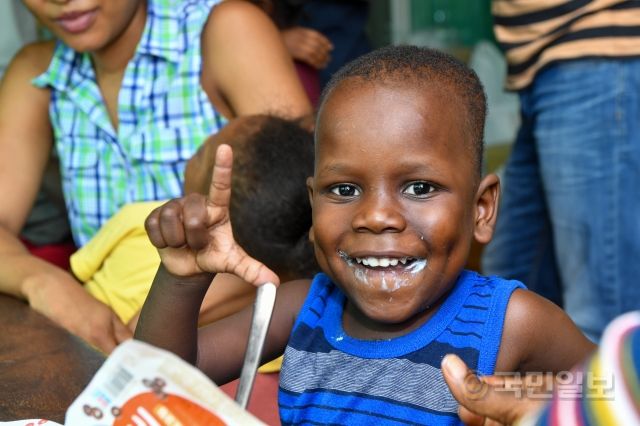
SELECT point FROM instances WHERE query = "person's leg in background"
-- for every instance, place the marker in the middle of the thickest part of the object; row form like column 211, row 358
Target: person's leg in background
column 587, row 133
column 522, row 246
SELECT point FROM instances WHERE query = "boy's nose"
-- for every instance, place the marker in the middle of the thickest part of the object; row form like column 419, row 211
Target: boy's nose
column 378, row 214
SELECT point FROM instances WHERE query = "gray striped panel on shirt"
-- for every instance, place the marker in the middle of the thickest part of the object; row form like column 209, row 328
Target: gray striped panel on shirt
column 419, row 384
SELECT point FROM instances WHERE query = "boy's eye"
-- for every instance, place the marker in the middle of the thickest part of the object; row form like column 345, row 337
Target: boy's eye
column 418, row 189
column 345, row 190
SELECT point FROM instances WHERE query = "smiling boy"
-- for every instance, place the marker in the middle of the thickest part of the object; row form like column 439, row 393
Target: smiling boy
column 397, row 199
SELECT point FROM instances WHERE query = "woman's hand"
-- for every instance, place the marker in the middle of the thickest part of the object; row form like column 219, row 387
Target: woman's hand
column 193, row 233
column 59, row 297
column 308, row 46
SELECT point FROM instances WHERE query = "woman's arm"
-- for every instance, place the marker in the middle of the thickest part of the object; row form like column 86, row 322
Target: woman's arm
column 25, row 145
column 246, row 66
column 25, row 140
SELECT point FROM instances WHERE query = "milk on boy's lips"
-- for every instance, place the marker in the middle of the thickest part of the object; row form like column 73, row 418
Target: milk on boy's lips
column 391, row 272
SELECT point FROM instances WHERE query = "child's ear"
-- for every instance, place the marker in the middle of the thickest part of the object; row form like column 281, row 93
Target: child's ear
column 310, row 192
column 487, row 199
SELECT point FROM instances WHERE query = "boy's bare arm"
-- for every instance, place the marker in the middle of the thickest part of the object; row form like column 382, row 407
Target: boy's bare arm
column 539, row 340
column 538, row 336
column 247, row 66
column 222, row 343
column 169, row 316
column 169, row 320
column 227, row 295
column 25, row 146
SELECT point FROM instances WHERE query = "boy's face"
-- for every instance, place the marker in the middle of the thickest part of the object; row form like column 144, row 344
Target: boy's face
column 393, row 197
column 88, row 25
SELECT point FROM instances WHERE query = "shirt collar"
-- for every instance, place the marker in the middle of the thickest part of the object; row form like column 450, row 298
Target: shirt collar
column 164, row 33
column 66, row 68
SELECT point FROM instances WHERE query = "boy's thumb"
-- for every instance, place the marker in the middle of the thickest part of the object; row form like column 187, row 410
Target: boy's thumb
column 464, row 384
column 466, row 388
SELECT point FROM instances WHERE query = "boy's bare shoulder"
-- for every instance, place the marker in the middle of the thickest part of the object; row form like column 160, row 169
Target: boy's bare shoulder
column 34, row 58
column 297, row 289
column 291, row 296
column 539, row 336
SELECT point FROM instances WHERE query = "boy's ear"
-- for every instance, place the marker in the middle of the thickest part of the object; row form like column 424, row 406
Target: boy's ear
column 310, row 192
column 487, row 200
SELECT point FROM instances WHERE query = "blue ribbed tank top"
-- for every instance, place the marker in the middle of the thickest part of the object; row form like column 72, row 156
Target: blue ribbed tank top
column 329, row 377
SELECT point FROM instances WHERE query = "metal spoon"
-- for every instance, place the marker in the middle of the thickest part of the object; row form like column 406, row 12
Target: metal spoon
column 262, row 310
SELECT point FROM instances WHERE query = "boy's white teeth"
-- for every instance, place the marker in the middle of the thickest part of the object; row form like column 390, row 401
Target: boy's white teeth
column 381, row 261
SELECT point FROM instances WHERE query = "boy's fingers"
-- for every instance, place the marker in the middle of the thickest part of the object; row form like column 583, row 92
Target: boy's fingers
column 220, row 189
column 195, row 221
column 318, row 38
column 171, row 225
column 252, row 271
column 152, row 226
column 469, row 418
column 465, row 386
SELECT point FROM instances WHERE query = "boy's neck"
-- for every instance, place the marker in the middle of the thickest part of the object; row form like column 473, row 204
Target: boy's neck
column 359, row 326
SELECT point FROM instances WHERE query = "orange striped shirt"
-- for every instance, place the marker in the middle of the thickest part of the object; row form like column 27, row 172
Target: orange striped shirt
column 535, row 33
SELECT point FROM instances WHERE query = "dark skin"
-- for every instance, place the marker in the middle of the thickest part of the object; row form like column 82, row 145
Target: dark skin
column 394, row 181
column 416, row 206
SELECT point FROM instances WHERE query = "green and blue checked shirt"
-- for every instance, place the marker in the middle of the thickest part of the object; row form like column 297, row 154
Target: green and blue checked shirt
column 164, row 116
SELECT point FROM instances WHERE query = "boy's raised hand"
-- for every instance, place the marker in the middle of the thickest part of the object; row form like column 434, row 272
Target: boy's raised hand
column 193, row 233
column 490, row 400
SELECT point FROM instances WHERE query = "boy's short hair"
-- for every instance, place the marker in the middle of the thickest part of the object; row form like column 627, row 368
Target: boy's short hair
column 269, row 207
column 423, row 66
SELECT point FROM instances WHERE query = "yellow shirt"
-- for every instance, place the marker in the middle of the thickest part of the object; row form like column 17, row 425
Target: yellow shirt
column 118, row 264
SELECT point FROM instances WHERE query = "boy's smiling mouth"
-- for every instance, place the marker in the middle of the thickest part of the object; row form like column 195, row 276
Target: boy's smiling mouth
column 386, row 273
column 382, row 263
